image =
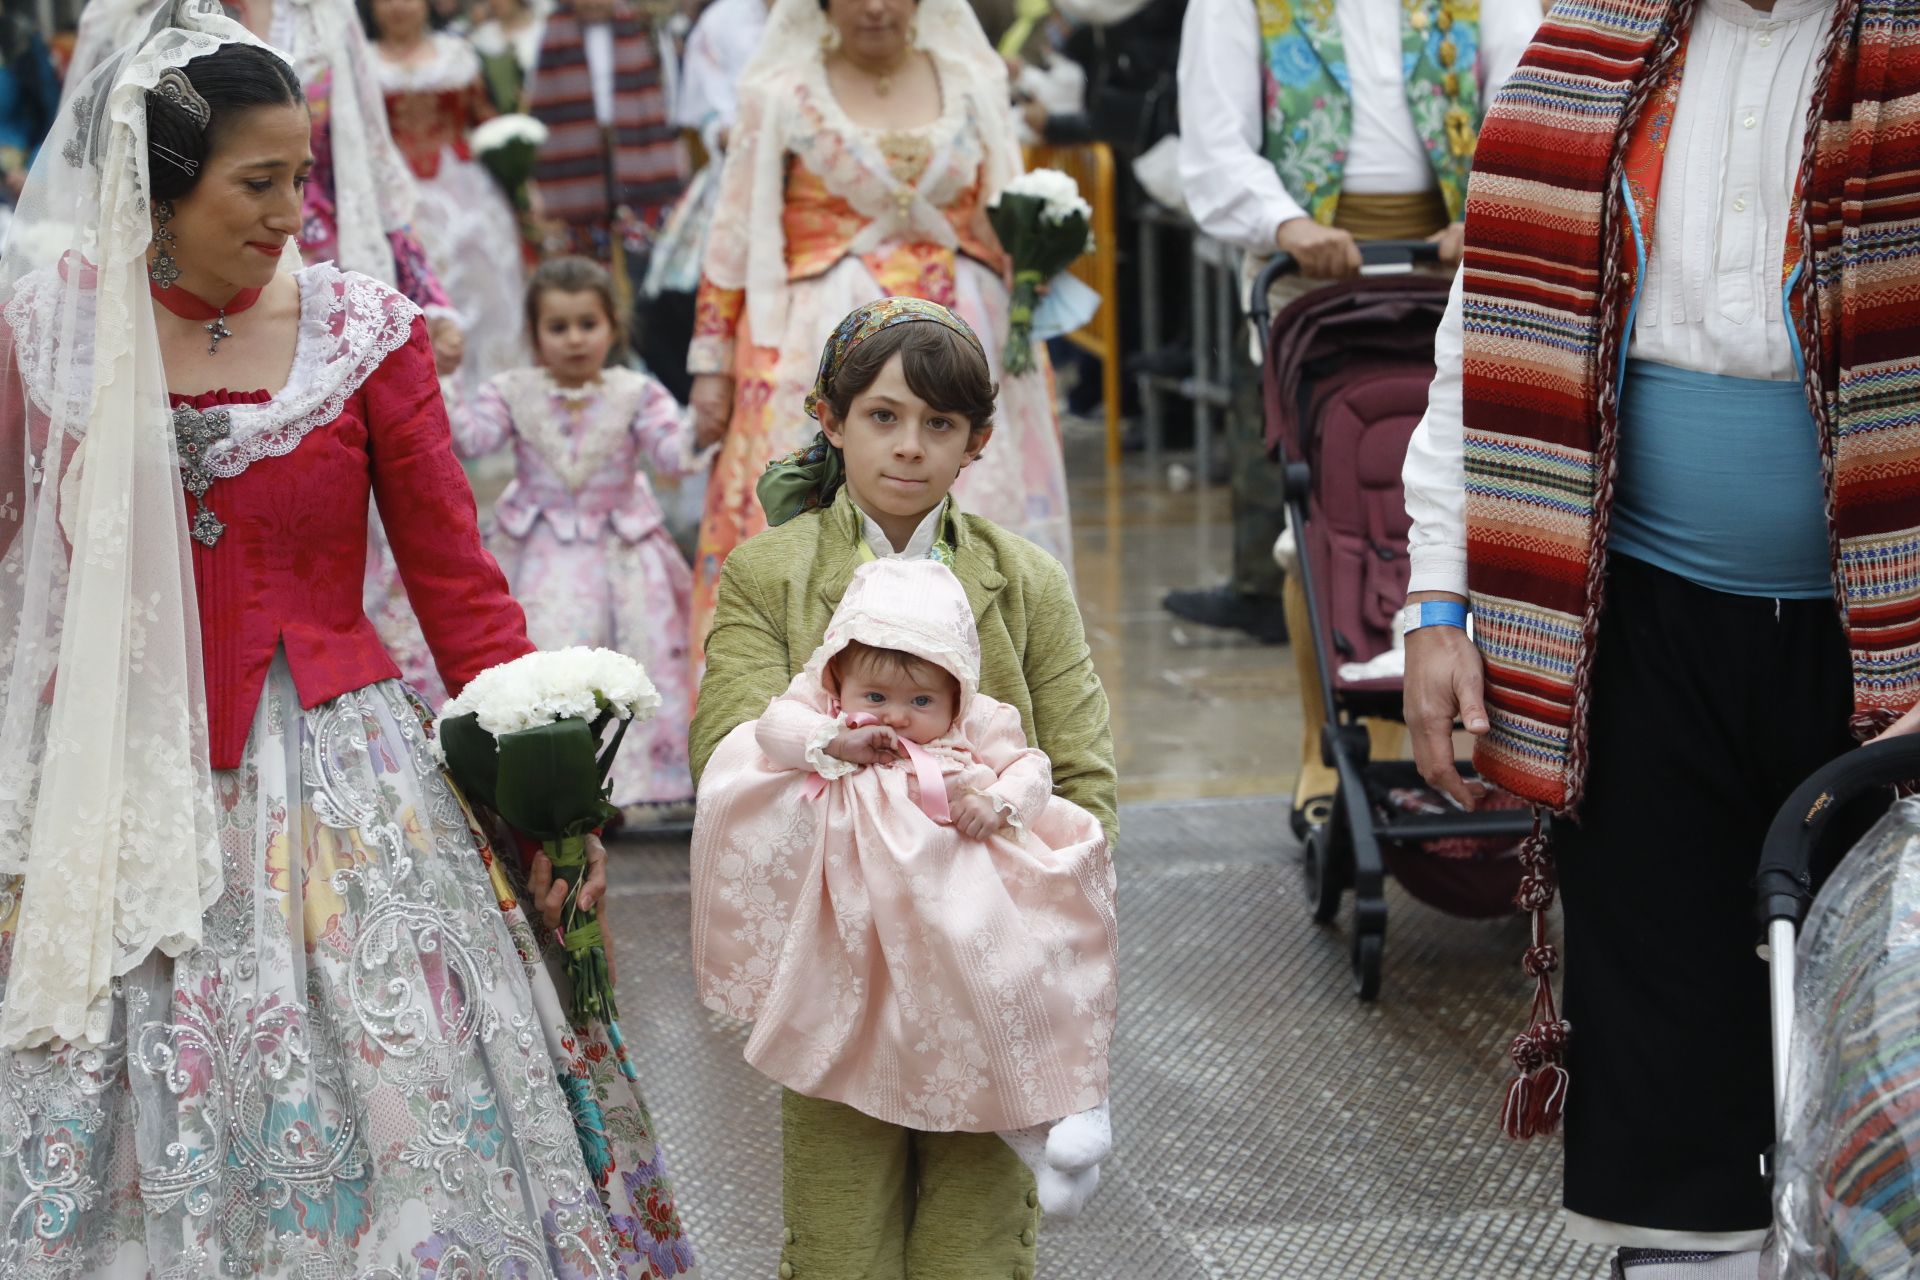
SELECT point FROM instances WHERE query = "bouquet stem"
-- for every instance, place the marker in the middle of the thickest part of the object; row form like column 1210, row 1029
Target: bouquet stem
column 586, row 962
column 1018, row 358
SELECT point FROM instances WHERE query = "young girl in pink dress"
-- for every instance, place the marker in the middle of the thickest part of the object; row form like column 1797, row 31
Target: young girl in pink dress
column 584, row 545
column 932, row 942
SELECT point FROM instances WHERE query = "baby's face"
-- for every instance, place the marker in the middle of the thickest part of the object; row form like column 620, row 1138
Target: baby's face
column 919, row 709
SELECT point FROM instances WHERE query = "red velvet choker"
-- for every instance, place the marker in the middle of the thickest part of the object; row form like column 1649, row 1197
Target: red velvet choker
column 189, row 307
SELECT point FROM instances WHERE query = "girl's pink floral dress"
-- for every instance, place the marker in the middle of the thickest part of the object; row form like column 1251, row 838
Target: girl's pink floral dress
column 584, row 544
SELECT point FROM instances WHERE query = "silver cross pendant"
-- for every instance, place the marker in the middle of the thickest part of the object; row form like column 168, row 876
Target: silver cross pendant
column 217, row 329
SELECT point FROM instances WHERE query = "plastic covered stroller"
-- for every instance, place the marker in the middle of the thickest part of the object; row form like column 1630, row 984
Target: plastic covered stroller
column 1846, row 1028
column 1345, row 383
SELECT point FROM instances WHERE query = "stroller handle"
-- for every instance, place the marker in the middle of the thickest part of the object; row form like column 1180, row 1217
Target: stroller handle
column 1373, row 253
column 1783, row 886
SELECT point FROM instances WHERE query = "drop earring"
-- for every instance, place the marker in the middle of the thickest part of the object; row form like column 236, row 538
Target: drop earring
column 830, row 42
column 913, row 34
column 163, row 268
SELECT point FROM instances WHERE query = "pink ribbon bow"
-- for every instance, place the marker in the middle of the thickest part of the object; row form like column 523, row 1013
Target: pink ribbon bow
column 933, row 787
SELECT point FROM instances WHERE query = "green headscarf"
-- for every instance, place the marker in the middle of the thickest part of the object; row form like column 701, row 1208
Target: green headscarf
column 809, row 477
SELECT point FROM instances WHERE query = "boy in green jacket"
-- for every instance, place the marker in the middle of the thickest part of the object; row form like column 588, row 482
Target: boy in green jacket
column 905, row 403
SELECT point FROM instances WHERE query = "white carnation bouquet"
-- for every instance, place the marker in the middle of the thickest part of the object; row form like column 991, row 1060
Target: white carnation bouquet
column 525, row 739
column 507, row 146
column 1045, row 226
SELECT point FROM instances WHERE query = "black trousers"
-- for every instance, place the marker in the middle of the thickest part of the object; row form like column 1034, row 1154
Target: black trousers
column 1708, row 710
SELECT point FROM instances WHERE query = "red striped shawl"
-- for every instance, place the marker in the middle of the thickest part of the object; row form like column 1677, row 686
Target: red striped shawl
column 1550, row 273
column 647, row 165
column 1551, row 270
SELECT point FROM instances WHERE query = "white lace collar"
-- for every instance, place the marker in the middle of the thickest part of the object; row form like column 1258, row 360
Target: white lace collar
column 454, row 65
column 349, row 323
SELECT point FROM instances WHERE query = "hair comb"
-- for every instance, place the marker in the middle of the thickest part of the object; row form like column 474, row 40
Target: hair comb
column 174, row 86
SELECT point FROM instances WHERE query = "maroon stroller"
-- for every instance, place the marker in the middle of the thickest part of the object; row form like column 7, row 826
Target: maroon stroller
column 1345, row 381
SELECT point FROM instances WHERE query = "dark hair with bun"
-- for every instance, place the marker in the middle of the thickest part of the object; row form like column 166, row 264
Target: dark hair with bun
column 233, row 79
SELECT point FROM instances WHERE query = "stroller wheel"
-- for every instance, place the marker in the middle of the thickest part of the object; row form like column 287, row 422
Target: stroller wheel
column 1316, row 812
column 1367, row 950
column 1323, row 881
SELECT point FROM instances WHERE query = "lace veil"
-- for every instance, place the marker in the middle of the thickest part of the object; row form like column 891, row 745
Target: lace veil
column 373, row 190
column 107, row 835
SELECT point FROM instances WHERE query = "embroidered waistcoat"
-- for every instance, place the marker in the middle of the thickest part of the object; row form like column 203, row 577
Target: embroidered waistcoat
column 1309, row 95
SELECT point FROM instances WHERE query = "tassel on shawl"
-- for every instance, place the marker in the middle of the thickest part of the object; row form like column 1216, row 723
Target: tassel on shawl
column 1538, row 1093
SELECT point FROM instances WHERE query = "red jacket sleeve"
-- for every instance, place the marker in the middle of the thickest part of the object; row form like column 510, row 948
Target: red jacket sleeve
column 456, row 589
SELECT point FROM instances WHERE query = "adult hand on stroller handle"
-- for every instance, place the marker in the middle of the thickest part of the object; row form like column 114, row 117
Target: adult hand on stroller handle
column 1444, row 684
column 1372, row 253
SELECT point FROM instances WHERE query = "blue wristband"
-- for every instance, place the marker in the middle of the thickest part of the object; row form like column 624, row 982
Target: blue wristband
column 1436, row 613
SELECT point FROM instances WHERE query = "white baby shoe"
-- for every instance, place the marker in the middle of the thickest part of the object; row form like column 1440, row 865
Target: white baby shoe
column 1082, row 1141
column 1062, row 1194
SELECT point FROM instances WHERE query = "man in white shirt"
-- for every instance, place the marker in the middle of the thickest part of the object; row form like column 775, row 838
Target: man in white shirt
column 719, row 49
column 1304, row 136
column 1648, row 474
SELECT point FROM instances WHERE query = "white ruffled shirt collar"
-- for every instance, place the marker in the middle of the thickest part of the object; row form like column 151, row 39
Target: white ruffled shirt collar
column 918, row 547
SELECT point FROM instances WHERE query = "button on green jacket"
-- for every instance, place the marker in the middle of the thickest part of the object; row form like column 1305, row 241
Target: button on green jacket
column 778, row 591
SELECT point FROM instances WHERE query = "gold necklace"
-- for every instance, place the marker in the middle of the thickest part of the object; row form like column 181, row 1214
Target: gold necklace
column 882, row 80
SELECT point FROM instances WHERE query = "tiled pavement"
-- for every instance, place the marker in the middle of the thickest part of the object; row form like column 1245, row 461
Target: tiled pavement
column 1268, row 1125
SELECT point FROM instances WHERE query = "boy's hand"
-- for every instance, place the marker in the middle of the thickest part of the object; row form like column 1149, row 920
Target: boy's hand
column 874, row 744
column 976, row 817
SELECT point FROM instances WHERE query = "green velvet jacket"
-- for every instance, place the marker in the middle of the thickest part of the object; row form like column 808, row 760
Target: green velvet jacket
column 779, row 590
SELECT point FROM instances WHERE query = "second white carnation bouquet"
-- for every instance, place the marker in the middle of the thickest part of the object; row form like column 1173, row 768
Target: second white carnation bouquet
column 507, row 146
column 1044, row 225
column 525, row 739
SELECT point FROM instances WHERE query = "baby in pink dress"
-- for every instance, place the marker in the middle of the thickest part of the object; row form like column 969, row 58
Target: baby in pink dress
column 885, row 884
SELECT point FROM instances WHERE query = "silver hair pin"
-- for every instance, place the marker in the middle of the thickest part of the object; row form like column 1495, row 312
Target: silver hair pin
column 185, row 164
column 174, row 86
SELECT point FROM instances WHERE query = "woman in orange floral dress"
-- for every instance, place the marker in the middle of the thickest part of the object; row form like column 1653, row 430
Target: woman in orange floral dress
column 821, row 212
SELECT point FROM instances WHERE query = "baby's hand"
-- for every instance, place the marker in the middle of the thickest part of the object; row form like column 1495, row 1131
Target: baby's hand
column 976, row 817
column 875, row 744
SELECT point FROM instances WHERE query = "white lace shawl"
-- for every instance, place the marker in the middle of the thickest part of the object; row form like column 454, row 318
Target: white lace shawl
column 973, row 85
column 349, row 323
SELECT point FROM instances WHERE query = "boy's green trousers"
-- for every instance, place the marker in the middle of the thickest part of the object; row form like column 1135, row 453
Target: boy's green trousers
column 867, row 1200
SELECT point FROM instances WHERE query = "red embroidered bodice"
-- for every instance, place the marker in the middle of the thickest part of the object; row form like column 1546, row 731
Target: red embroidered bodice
column 360, row 417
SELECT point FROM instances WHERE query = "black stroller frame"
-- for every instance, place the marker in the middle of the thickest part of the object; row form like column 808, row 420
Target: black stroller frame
column 1344, row 850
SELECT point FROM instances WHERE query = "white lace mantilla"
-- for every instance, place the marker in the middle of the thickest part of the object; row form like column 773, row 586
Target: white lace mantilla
column 349, row 323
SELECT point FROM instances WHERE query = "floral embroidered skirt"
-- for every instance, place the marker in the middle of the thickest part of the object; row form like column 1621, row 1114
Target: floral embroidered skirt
column 365, row 1071
column 631, row 597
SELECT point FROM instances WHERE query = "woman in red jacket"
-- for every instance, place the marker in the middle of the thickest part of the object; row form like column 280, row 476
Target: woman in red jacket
column 268, row 1005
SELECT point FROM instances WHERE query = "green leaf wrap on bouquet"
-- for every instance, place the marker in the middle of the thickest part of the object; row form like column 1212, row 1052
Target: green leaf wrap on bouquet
column 548, row 783
column 1041, row 246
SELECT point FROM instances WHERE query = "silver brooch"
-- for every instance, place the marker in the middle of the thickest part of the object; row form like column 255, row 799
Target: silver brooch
column 194, row 435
